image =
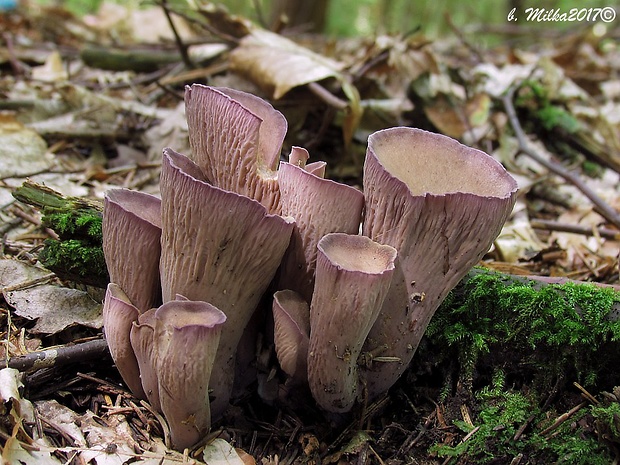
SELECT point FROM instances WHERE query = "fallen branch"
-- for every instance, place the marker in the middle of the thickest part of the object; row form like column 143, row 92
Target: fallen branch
column 549, row 225
column 53, row 358
column 609, row 213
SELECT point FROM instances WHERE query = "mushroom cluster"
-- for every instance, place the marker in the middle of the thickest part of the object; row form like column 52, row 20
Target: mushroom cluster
column 352, row 278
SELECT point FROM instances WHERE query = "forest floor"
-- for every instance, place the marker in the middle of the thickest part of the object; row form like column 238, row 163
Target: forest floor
column 88, row 104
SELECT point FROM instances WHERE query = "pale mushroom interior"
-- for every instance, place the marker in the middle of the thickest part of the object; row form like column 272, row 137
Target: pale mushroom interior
column 186, row 313
column 428, row 163
column 358, row 253
column 144, row 206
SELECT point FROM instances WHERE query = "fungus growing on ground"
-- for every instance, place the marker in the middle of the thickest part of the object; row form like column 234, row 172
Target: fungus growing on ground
column 291, row 320
column 353, row 307
column 118, row 316
column 131, row 244
column 440, row 204
column 236, row 140
column 218, row 247
column 141, row 337
column 319, row 206
column 186, row 339
column 353, row 275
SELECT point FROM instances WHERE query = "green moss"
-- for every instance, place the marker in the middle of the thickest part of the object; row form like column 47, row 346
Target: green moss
column 498, row 435
column 78, row 255
column 555, row 116
column 76, row 223
column 77, row 260
column 564, row 329
column 592, row 169
column 514, row 341
column 548, row 113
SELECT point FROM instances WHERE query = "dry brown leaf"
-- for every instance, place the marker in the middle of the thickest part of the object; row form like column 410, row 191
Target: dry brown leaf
column 454, row 118
column 23, row 151
column 54, row 307
column 278, row 64
column 220, row 452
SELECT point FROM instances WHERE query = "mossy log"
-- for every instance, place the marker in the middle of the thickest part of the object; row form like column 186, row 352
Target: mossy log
column 531, row 329
column 77, row 255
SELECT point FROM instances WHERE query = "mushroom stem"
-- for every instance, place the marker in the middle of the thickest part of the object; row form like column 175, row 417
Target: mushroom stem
column 291, row 321
column 186, row 338
column 353, row 275
column 118, row 316
column 141, row 338
column 441, row 205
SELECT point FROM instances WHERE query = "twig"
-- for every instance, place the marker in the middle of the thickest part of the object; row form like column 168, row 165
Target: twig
column 48, row 358
column 462, row 37
column 562, row 418
column 177, row 38
column 18, row 66
column 524, row 146
column 465, row 439
column 575, row 229
column 327, row 97
column 522, row 428
column 229, row 39
column 164, row 426
column 585, row 393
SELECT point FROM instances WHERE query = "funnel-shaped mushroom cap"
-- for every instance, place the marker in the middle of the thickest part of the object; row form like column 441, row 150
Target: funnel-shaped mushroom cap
column 441, row 205
column 299, row 156
column 353, row 275
column 118, row 316
column 236, row 140
column 291, row 321
column 319, row 206
column 141, row 337
column 186, row 338
column 131, row 244
column 218, row 247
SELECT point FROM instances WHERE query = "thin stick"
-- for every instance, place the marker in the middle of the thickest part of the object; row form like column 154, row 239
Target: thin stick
column 562, row 418
column 604, row 209
column 550, row 225
column 177, row 38
column 327, row 97
column 65, row 355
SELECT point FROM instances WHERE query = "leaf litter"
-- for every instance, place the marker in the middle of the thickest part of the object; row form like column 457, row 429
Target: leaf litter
column 82, row 125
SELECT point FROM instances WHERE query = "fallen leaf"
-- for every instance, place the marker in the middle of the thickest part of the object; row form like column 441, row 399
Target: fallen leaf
column 55, row 308
column 278, row 64
column 496, row 81
column 105, row 441
column 14, row 452
column 108, row 445
column 23, row 151
column 454, row 118
column 220, row 452
column 15, row 409
column 15, row 274
column 52, row 70
column 64, row 419
column 11, row 401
